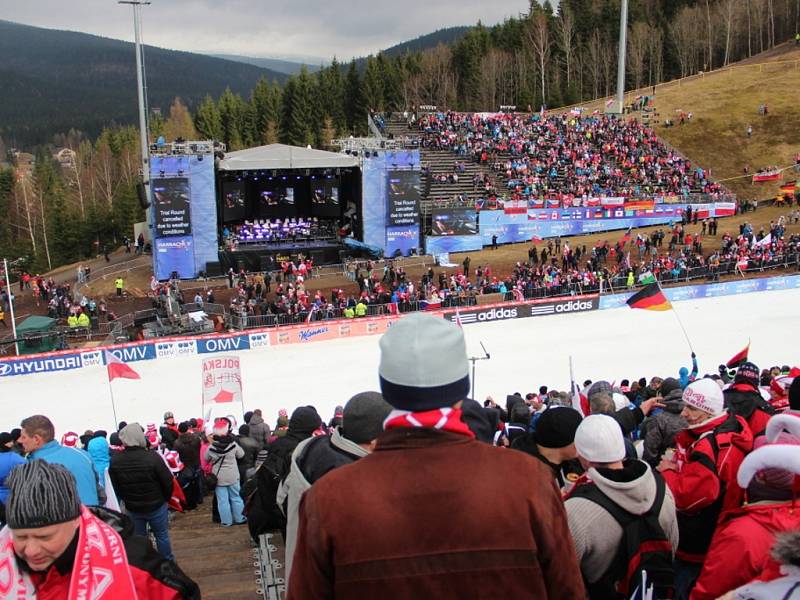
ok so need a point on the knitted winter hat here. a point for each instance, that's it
(363, 416)
(557, 426)
(747, 373)
(704, 394)
(305, 419)
(599, 439)
(173, 460)
(41, 494)
(423, 363)
(668, 385)
(599, 387)
(70, 439)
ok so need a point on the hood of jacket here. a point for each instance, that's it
(99, 452)
(633, 487)
(673, 402)
(730, 425)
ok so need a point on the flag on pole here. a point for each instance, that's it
(393, 308)
(626, 238)
(739, 358)
(311, 313)
(118, 369)
(650, 297)
(458, 319)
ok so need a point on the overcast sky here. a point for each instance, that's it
(310, 28)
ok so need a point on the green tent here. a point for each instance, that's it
(36, 334)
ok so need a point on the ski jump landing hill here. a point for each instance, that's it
(325, 363)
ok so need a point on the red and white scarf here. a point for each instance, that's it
(100, 569)
(444, 419)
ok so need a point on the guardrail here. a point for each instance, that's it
(269, 568)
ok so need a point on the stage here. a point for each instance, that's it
(277, 203)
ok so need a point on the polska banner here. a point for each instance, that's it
(222, 386)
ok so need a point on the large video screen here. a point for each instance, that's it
(403, 194)
(172, 200)
(276, 199)
(325, 200)
(233, 201)
(462, 221)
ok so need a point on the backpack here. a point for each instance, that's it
(644, 547)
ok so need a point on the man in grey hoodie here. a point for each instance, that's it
(630, 484)
(362, 422)
(659, 429)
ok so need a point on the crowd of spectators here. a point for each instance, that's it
(703, 464)
(568, 158)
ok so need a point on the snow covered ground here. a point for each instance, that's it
(525, 353)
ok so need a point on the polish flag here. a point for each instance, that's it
(118, 369)
(458, 319)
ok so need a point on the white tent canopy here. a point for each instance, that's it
(281, 156)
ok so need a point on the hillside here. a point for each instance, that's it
(52, 81)
(723, 103)
(448, 35)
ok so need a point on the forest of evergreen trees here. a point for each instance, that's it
(58, 214)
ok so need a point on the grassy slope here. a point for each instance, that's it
(723, 103)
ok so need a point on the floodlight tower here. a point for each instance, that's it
(140, 83)
(619, 104)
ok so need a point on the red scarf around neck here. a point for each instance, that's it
(444, 419)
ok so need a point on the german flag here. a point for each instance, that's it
(650, 297)
(789, 187)
(739, 359)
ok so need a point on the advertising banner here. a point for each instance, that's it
(523, 310)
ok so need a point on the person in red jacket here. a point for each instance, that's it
(743, 398)
(702, 475)
(55, 548)
(740, 548)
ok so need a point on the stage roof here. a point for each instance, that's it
(280, 156)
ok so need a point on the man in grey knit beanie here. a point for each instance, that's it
(42, 509)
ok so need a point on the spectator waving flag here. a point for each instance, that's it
(430, 304)
(626, 238)
(458, 319)
(650, 297)
(118, 369)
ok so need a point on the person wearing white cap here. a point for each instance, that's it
(627, 488)
(432, 512)
(702, 474)
(740, 549)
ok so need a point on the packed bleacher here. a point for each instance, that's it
(568, 159)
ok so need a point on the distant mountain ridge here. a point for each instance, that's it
(287, 67)
(52, 81)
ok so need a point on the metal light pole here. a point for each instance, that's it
(619, 104)
(11, 306)
(143, 138)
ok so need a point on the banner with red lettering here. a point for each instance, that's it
(222, 380)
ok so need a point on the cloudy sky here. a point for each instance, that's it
(310, 28)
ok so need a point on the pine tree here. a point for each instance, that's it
(6, 198)
(208, 121)
(261, 103)
(230, 117)
(373, 85)
(355, 106)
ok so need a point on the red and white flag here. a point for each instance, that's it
(458, 319)
(118, 369)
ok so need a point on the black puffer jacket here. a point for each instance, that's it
(141, 479)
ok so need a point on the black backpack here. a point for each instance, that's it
(644, 547)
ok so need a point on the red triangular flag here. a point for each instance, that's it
(118, 369)
(740, 358)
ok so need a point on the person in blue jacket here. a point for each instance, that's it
(684, 377)
(38, 441)
(8, 460)
(99, 453)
